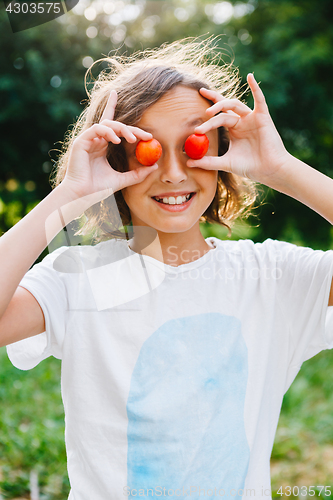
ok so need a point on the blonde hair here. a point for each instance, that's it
(140, 80)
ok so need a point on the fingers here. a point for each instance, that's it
(212, 95)
(111, 131)
(228, 111)
(120, 129)
(98, 130)
(131, 134)
(229, 105)
(110, 107)
(141, 134)
(222, 120)
(241, 109)
(258, 96)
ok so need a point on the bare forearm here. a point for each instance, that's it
(23, 243)
(307, 185)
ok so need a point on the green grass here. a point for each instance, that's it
(32, 430)
(303, 449)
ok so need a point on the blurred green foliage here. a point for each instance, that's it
(303, 449)
(32, 430)
(288, 46)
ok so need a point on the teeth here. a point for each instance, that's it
(171, 200)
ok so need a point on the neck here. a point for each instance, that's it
(171, 248)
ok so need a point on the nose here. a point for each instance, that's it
(173, 166)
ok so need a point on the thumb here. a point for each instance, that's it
(212, 163)
(136, 176)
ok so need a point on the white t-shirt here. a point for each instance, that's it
(173, 377)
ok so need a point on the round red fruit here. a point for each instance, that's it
(196, 146)
(148, 152)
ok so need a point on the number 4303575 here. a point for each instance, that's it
(32, 8)
(304, 491)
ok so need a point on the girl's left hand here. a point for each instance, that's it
(256, 150)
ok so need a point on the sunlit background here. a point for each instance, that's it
(288, 45)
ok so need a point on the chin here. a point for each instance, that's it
(174, 226)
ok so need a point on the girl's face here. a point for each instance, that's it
(171, 120)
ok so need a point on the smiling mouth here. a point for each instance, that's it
(174, 200)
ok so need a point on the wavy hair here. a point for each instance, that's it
(140, 80)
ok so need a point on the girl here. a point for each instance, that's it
(176, 351)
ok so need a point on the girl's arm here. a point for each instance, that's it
(89, 179)
(20, 313)
(256, 151)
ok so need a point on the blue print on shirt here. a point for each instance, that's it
(186, 409)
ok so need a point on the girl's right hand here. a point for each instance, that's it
(89, 171)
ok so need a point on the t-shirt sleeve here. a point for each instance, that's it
(303, 281)
(48, 286)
